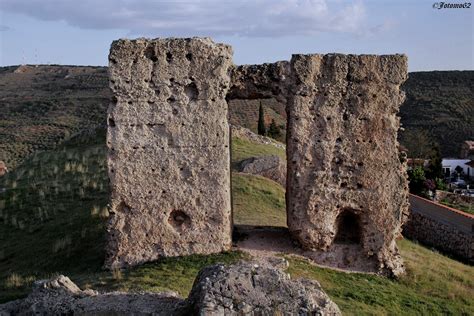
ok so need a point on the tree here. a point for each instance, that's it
(417, 180)
(261, 121)
(440, 184)
(435, 168)
(459, 171)
(274, 130)
(418, 143)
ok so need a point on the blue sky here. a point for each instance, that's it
(79, 32)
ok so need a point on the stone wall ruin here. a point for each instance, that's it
(346, 186)
(169, 150)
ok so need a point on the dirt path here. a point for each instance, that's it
(265, 244)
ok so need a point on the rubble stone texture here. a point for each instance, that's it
(169, 153)
(61, 296)
(247, 288)
(346, 184)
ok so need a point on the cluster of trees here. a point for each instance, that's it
(273, 129)
(424, 181)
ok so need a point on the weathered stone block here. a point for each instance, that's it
(169, 153)
(346, 184)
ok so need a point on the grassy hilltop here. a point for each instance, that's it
(52, 220)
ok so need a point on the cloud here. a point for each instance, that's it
(249, 18)
(4, 28)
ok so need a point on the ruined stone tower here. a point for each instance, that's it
(169, 155)
(346, 187)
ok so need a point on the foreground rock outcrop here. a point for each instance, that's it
(60, 296)
(241, 289)
(169, 152)
(346, 183)
(250, 289)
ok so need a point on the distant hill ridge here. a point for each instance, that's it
(42, 105)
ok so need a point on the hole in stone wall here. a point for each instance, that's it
(111, 122)
(179, 220)
(189, 56)
(123, 208)
(151, 54)
(191, 91)
(348, 228)
(169, 57)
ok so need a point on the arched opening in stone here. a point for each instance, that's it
(257, 93)
(348, 228)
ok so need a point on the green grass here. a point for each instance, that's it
(433, 285)
(468, 208)
(169, 274)
(243, 149)
(52, 215)
(257, 201)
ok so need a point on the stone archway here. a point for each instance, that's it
(348, 228)
(171, 102)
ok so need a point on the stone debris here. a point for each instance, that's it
(245, 133)
(271, 167)
(60, 296)
(245, 288)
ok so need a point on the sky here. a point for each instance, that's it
(79, 32)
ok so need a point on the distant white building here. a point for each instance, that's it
(449, 166)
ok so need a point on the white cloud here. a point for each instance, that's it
(271, 18)
(4, 28)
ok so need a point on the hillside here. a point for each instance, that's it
(52, 219)
(442, 104)
(43, 105)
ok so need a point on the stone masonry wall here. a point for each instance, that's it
(441, 236)
(442, 227)
(169, 153)
(342, 150)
